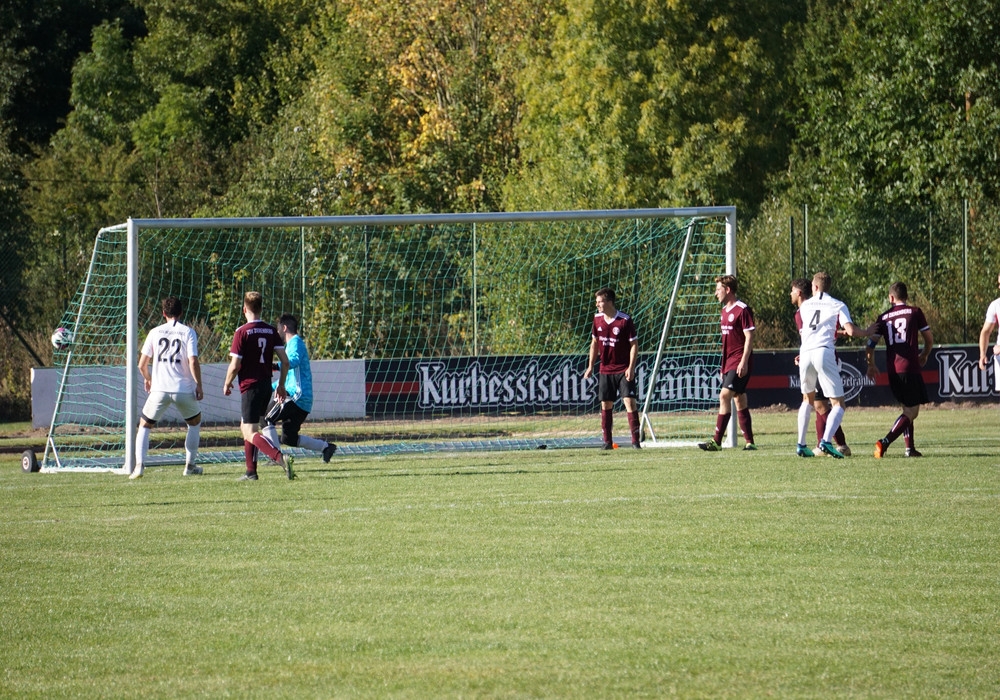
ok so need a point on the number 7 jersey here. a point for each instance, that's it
(171, 346)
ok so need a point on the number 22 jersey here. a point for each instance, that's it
(170, 346)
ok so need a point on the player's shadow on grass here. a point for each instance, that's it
(350, 473)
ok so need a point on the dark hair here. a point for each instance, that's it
(289, 322)
(727, 281)
(172, 307)
(607, 293)
(898, 290)
(803, 285)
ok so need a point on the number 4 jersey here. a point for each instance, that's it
(170, 346)
(821, 315)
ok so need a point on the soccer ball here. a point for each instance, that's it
(62, 338)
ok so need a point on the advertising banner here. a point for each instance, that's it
(554, 383)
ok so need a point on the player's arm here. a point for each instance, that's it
(928, 344)
(282, 373)
(744, 366)
(591, 358)
(984, 342)
(234, 369)
(633, 358)
(872, 371)
(294, 357)
(147, 377)
(195, 365)
(855, 331)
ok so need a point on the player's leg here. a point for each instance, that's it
(272, 415)
(743, 411)
(910, 391)
(632, 413)
(156, 405)
(141, 448)
(834, 418)
(629, 395)
(269, 444)
(726, 396)
(914, 392)
(291, 426)
(189, 409)
(607, 392)
(253, 405)
(805, 413)
(830, 380)
(899, 426)
(807, 383)
(911, 412)
(822, 407)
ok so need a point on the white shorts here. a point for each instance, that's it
(159, 401)
(820, 364)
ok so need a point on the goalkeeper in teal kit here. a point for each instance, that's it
(292, 412)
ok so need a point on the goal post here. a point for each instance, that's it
(426, 331)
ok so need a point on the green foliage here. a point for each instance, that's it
(635, 104)
(898, 123)
(879, 117)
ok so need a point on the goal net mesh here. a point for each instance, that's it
(431, 334)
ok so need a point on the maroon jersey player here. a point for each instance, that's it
(737, 363)
(902, 326)
(252, 352)
(615, 343)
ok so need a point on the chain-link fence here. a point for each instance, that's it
(948, 256)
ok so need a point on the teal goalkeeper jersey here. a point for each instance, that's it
(298, 382)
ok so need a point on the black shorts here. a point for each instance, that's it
(253, 403)
(737, 385)
(611, 386)
(909, 389)
(291, 417)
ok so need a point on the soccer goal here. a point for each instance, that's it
(426, 332)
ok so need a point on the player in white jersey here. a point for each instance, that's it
(989, 325)
(169, 365)
(821, 316)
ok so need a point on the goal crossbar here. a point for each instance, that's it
(578, 240)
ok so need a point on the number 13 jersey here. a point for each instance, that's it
(901, 327)
(170, 346)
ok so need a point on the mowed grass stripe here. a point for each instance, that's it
(544, 573)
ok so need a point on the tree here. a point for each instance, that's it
(418, 102)
(653, 104)
(899, 122)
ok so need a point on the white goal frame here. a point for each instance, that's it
(136, 225)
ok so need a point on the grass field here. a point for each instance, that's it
(555, 573)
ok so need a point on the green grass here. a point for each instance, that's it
(558, 573)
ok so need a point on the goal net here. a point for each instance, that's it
(426, 332)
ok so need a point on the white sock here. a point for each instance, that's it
(141, 446)
(833, 422)
(191, 441)
(271, 433)
(805, 413)
(311, 443)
